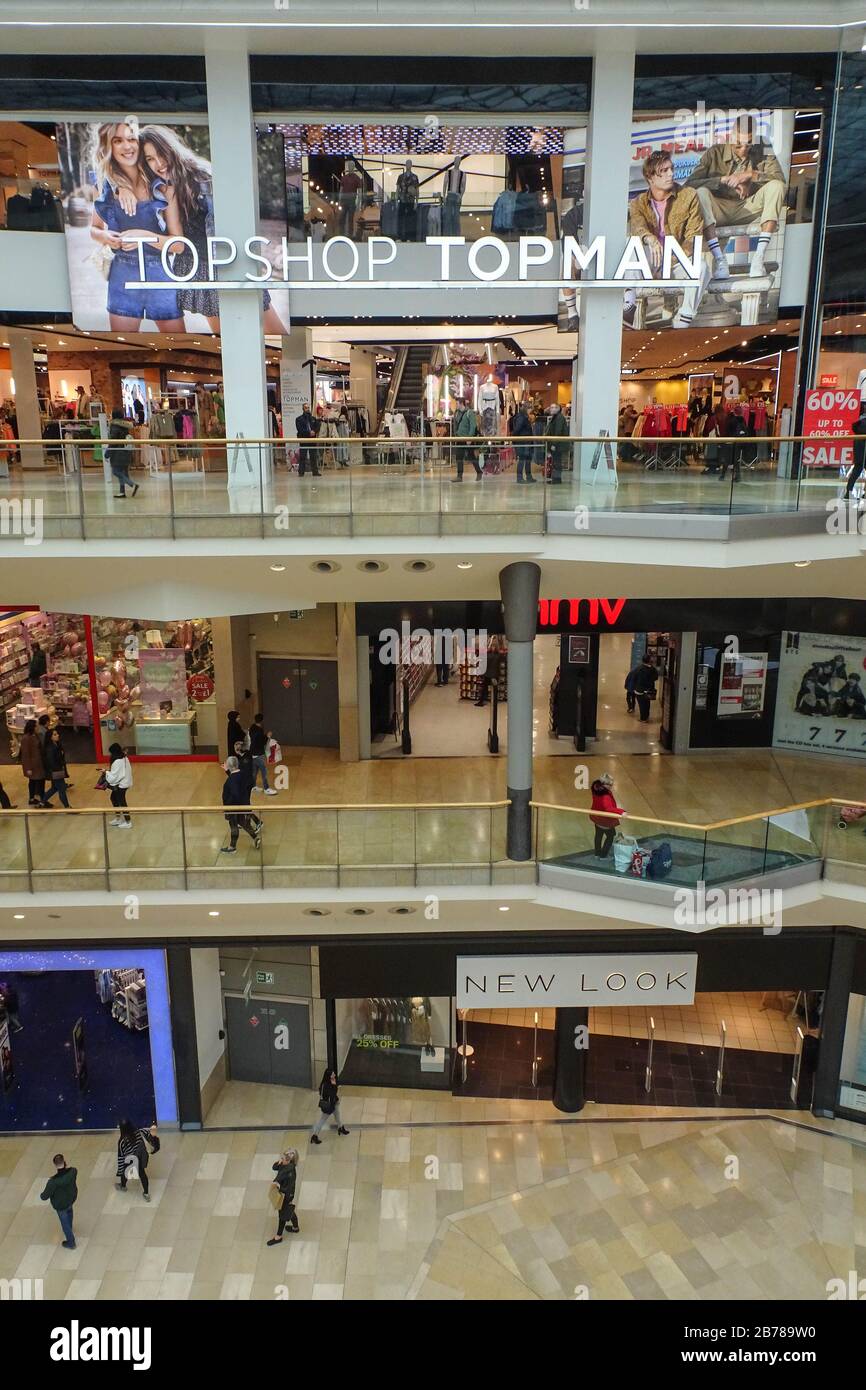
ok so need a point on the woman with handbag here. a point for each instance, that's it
(329, 1105)
(282, 1194)
(132, 1154)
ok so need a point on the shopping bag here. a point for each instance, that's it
(639, 861)
(661, 861)
(274, 751)
(275, 1197)
(623, 849)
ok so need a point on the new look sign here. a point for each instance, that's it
(509, 982)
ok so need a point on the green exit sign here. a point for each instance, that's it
(264, 977)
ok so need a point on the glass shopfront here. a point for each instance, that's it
(405, 1041)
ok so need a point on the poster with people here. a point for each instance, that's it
(125, 182)
(719, 175)
(821, 699)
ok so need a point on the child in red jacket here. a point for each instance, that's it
(605, 826)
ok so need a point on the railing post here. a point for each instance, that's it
(29, 849)
(171, 496)
(720, 1066)
(102, 816)
(183, 849)
(81, 501)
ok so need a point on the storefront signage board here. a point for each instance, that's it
(510, 982)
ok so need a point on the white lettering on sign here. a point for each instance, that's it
(575, 981)
(489, 261)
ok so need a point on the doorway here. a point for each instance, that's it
(300, 701)
(619, 729)
(502, 1046)
(268, 1040)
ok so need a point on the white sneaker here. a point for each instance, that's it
(116, 821)
(721, 270)
(124, 825)
(255, 789)
(270, 791)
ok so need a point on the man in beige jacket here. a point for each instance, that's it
(667, 209)
(739, 183)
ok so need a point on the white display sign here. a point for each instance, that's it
(510, 982)
(821, 699)
(742, 683)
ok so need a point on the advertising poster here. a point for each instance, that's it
(720, 175)
(821, 705)
(125, 181)
(163, 682)
(742, 683)
(829, 413)
(578, 651)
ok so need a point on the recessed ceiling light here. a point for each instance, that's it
(464, 564)
(278, 569)
(801, 564)
(19, 916)
(213, 914)
(505, 909)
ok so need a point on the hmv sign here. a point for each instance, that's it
(509, 982)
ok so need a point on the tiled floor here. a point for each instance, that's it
(418, 1203)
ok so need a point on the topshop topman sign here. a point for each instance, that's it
(489, 262)
(507, 982)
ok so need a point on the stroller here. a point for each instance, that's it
(849, 815)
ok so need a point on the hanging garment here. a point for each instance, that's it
(503, 211)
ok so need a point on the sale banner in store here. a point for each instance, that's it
(821, 703)
(829, 414)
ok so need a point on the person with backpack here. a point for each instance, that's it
(61, 1190)
(118, 779)
(286, 1169)
(329, 1106)
(605, 826)
(132, 1154)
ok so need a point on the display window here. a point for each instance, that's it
(85, 1036)
(405, 1041)
(44, 670)
(154, 686)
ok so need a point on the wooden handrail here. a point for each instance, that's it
(259, 809)
(713, 825)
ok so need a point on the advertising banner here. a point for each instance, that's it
(126, 182)
(820, 705)
(721, 176)
(742, 683)
(163, 681)
(829, 413)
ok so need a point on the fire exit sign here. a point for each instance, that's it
(264, 977)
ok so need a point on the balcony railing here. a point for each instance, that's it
(402, 845)
(417, 486)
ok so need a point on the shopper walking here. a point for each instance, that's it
(32, 765)
(234, 732)
(9, 1001)
(645, 688)
(521, 431)
(630, 701)
(258, 750)
(557, 426)
(38, 665)
(55, 766)
(235, 794)
(120, 454)
(605, 826)
(306, 429)
(132, 1155)
(329, 1106)
(464, 428)
(119, 779)
(61, 1190)
(286, 1169)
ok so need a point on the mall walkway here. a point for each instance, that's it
(455, 1199)
(696, 787)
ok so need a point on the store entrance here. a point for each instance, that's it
(509, 1054)
(620, 727)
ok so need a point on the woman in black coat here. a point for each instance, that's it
(132, 1147)
(234, 732)
(286, 1169)
(329, 1106)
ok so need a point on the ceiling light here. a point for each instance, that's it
(504, 909)
(464, 564)
(801, 564)
(19, 916)
(278, 569)
(213, 914)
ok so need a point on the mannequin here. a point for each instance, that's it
(420, 1022)
(488, 405)
(350, 182)
(407, 203)
(453, 189)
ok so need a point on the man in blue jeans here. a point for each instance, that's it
(62, 1192)
(258, 753)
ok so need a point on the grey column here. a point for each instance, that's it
(519, 584)
(834, 1016)
(569, 1076)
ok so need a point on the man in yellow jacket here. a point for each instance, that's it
(738, 183)
(667, 209)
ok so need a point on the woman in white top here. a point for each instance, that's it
(119, 779)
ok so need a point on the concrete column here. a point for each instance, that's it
(595, 386)
(519, 585)
(235, 191)
(362, 380)
(26, 397)
(347, 682)
(569, 1068)
(296, 376)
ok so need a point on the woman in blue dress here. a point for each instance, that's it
(185, 180)
(130, 209)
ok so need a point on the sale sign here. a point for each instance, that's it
(828, 417)
(200, 687)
